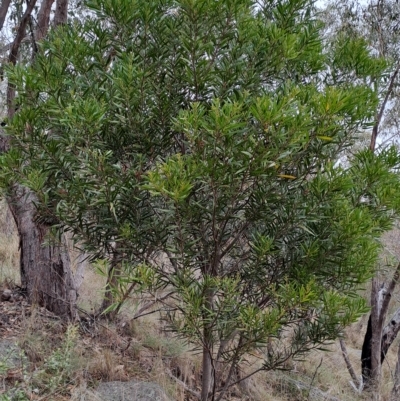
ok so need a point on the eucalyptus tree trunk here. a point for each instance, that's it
(43, 19)
(378, 338)
(5, 4)
(45, 266)
(61, 12)
(395, 395)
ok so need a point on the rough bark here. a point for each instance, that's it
(378, 340)
(61, 14)
(45, 268)
(377, 327)
(43, 19)
(395, 395)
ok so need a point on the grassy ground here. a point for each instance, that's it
(65, 359)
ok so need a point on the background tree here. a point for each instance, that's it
(45, 264)
(377, 23)
(196, 141)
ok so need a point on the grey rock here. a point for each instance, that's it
(6, 295)
(130, 391)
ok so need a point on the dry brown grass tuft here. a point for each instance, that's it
(106, 366)
(143, 350)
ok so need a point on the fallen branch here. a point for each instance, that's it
(183, 384)
(356, 382)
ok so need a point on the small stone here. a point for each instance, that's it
(6, 295)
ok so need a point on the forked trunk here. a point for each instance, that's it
(45, 267)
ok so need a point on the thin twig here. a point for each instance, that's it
(312, 380)
(348, 363)
(184, 385)
(382, 109)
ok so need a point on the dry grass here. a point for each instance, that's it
(143, 350)
(9, 253)
(91, 291)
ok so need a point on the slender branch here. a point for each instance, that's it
(34, 44)
(12, 58)
(124, 297)
(374, 135)
(241, 379)
(348, 363)
(234, 240)
(184, 385)
(231, 370)
(313, 378)
(7, 47)
(149, 305)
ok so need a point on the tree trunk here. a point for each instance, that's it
(390, 333)
(207, 363)
(377, 326)
(112, 281)
(366, 354)
(378, 340)
(61, 14)
(45, 267)
(371, 351)
(43, 19)
(5, 4)
(395, 395)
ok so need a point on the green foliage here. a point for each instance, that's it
(58, 367)
(53, 376)
(200, 141)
